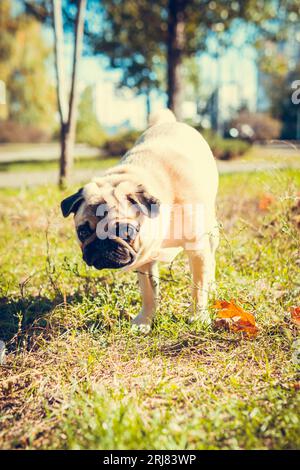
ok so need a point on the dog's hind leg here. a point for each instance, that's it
(214, 243)
(149, 284)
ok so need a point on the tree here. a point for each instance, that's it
(176, 40)
(67, 108)
(140, 36)
(58, 14)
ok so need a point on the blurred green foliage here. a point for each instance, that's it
(23, 68)
(88, 129)
(119, 144)
(225, 149)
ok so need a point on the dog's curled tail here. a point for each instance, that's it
(161, 117)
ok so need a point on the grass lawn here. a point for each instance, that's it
(77, 377)
(287, 154)
(35, 165)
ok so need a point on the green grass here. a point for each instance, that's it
(46, 165)
(288, 154)
(77, 377)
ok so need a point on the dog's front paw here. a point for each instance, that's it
(201, 315)
(141, 324)
(143, 328)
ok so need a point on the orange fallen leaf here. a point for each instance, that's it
(232, 317)
(265, 202)
(295, 315)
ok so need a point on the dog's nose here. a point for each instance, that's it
(125, 231)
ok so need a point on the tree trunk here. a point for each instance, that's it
(73, 105)
(66, 155)
(67, 111)
(175, 51)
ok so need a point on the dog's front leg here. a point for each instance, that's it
(201, 265)
(149, 284)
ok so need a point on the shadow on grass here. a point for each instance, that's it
(23, 318)
(198, 344)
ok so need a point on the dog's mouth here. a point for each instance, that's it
(113, 260)
(108, 254)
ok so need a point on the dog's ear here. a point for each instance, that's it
(149, 204)
(72, 203)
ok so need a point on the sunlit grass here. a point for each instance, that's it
(287, 154)
(85, 163)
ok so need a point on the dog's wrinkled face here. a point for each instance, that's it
(108, 220)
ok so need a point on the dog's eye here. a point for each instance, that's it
(84, 232)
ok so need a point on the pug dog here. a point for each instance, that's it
(158, 200)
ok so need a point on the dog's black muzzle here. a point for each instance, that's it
(107, 253)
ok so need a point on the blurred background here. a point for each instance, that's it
(78, 79)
